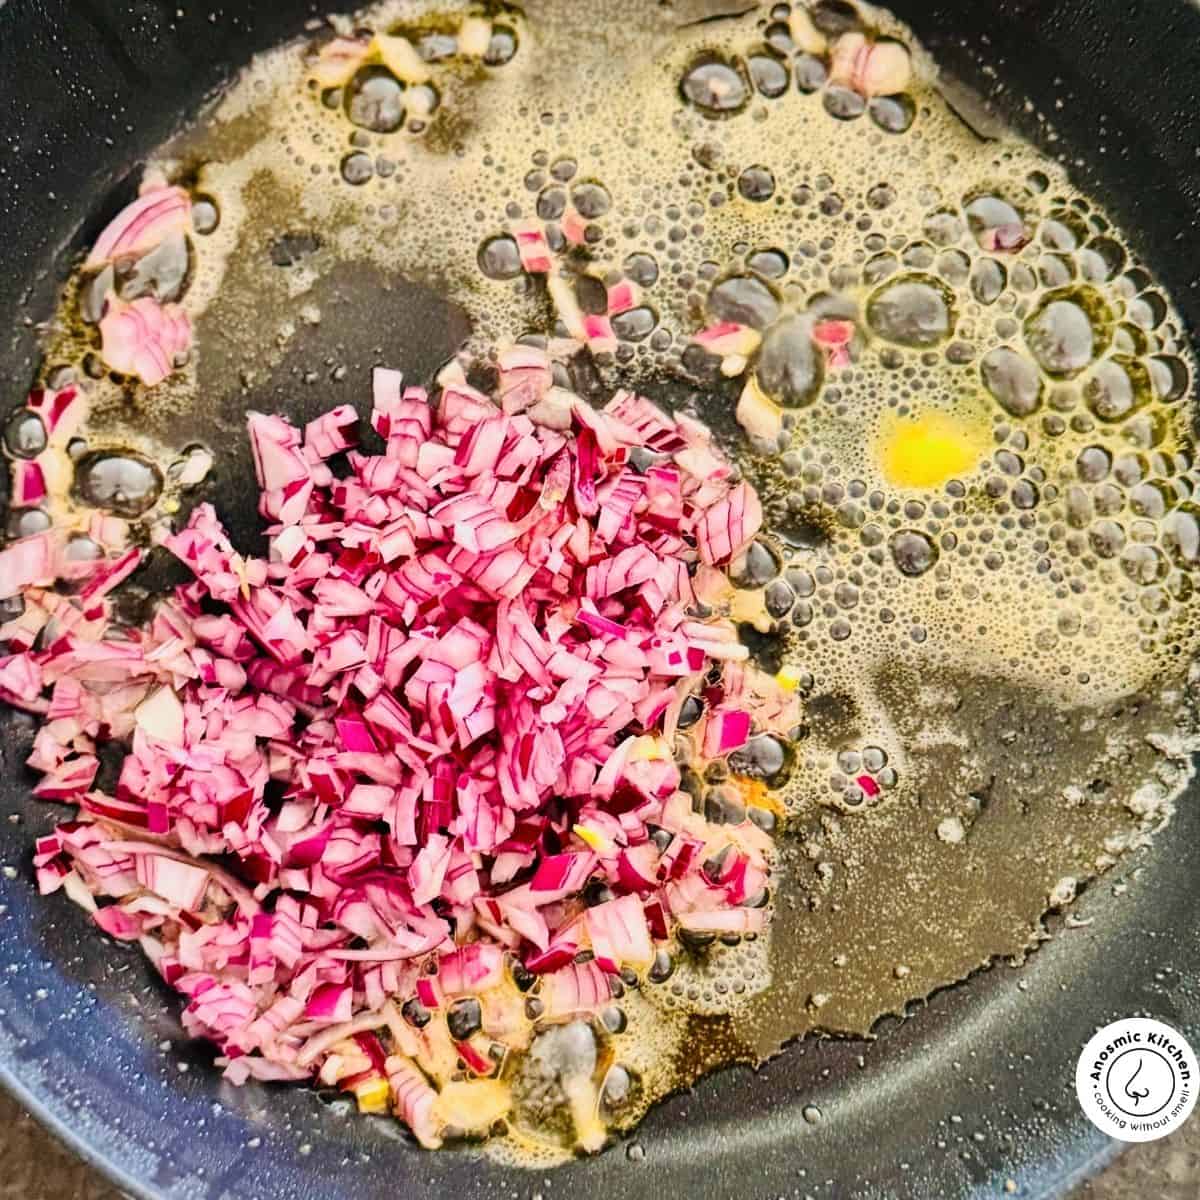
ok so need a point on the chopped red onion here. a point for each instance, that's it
(140, 226)
(1005, 239)
(460, 666)
(143, 338)
(338, 61)
(881, 68)
(835, 337)
(533, 247)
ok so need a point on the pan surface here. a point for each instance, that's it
(976, 1088)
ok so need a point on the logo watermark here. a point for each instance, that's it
(1137, 1080)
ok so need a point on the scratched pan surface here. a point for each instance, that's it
(975, 1088)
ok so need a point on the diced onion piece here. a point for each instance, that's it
(161, 716)
(532, 247)
(338, 60)
(870, 68)
(1005, 239)
(414, 1102)
(834, 337)
(143, 338)
(804, 33)
(757, 413)
(142, 225)
(400, 57)
(26, 562)
(728, 339)
(562, 293)
(474, 36)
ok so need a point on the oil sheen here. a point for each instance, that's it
(983, 533)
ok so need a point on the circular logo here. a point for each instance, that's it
(1137, 1079)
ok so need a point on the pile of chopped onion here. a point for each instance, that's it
(369, 778)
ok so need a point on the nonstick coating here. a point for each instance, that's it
(974, 1089)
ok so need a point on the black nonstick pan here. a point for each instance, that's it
(975, 1088)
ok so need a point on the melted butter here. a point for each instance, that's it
(987, 611)
(927, 450)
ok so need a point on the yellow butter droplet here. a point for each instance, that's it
(930, 449)
(594, 838)
(372, 1096)
(647, 748)
(787, 679)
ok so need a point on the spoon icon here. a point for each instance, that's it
(1137, 1095)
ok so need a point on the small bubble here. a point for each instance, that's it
(662, 968)
(1024, 495)
(758, 567)
(1168, 376)
(552, 203)
(914, 310)
(375, 100)
(919, 255)
(502, 48)
(893, 114)
(1013, 381)
(642, 269)
(1107, 538)
(717, 88)
(996, 223)
(943, 227)
(770, 264)
(635, 324)
(122, 482)
(756, 184)
(874, 758)
(881, 196)
(1101, 260)
(745, 300)
(24, 434)
(779, 38)
(1181, 536)
(770, 76)
(988, 280)
(954, 267)
(790, 370)
(1093, 464)
(912, 552)
(1115, 388)
(779, 598)
(1061, 333)
(206, 216)
(591, 199)
(843, 103)
(811, 73)
(1143, 564)
(357, 168)
(499, 258)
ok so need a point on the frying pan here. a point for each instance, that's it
(974, 1088)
